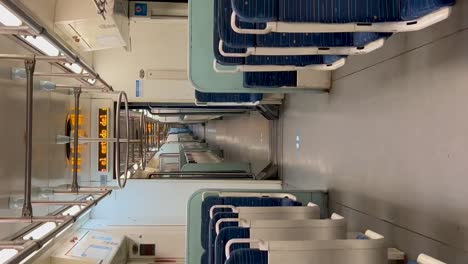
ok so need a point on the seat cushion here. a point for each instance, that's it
(335, 11)
(235, 40)
(224, 236)
(348, 39)
(300, 61)
(270, 79)
(228, 97)
(339, 11)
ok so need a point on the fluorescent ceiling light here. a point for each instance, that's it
(43, 45)
(72, 210)
(7, 254)
(74, 67)
(9, 19)
(41, 231)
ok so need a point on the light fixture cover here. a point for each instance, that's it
(41, 231)
(43, 45)
(9, 19)
(74, 67)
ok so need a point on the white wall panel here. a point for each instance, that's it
(156, 45)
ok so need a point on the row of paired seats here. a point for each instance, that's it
(220, 99)
(271, 41)
(249, 228)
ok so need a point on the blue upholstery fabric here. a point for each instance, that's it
(238, 202)
(204, 258)
(228, 97)
(224, 236)
(256, 11)
(220, 58)
(212, 231)
(303, 60)
(248, 256)
(356, 39)
(222, 14)
(235, 40)
(413, 9)
(270, 79)
(335, 11)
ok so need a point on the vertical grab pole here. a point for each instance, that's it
(158, 133)
(143, 140)
(30, 65)
(75, 187)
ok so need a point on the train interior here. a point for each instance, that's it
(233, 131)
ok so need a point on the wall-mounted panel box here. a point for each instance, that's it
(79, 23)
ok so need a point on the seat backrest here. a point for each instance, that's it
(227, 97)
(413, 9)
(212, 232)
(327, 251)
(210, 201)
(279, 213)
(278, 230)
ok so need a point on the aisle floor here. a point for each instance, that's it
(390, 140)
(244, 138)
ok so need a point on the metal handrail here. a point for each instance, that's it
(143, 139)
(36, 28)
(100, 6)
(75, 186)
(27, 247)
(205, 174)
(122, 96)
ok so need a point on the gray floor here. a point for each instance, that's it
(244, 138)
(390, 141)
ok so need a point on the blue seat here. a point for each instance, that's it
(224, 236)
(361, 15)
(212, 232)
(235, 40)
(300, 60)
(204, 258)
(248, 256)
(335, 11)
(238, 202)
(227, 97)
